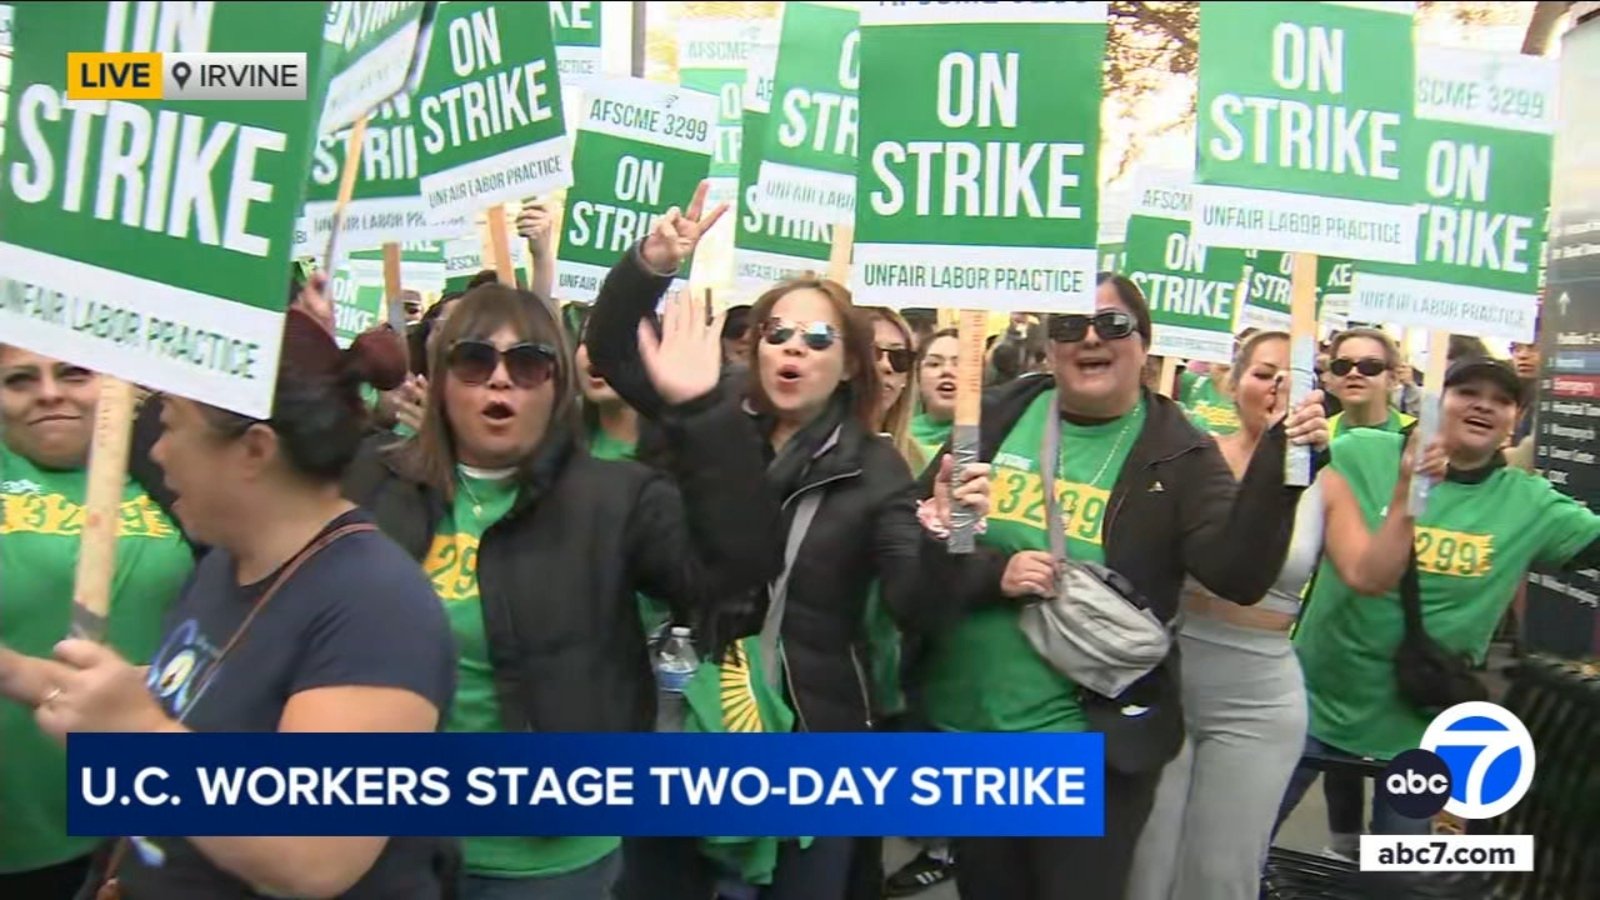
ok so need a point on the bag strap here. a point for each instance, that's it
(109, 889)
(778, 591)
(1049, 459)
(1411, 599)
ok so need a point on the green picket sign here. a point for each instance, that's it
(1192, 289)
(1302, 140)
(768, 247)
(378, 54)
(490, 108)
(713, 55)
(808, 170)
(386, 203)
(421, 264)
(1486, 121)
(1335, 280)
(151, 240)
(1267, 290)
(357, 292)
(642, 148)
(463, 259)
(576, 28)
(979, 172)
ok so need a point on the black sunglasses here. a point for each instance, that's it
(1109, 324)
(899, 358)
(1369, 366)
(817, 335)
(474, 362)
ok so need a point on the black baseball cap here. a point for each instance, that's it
(1472, 368)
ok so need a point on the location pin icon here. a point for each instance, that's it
(180, 73)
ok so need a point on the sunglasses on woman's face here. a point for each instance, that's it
(1369, 366)
(816, 335)
(899, 358)
(474, 362)
(1109, 324)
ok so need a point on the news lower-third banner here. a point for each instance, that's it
(960, 785)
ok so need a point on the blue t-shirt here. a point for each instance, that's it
(360, 612)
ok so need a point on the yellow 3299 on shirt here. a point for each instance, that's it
(1019, 497)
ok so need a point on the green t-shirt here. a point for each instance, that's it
(983, 675)
(1209, 408)
(41, 518)
(604, 446)
(929, 435)
(1474, 543)
(452, 566)
(1337, 424)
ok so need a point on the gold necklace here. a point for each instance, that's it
(1069, 512)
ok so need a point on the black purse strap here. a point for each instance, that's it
(1411, 599)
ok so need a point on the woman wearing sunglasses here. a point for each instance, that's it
(897, 382)
(1140, 491)
(1361, 367)
(813, 395)
(536, 548)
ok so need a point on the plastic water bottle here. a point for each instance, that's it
(675, 662)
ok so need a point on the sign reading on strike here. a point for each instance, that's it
(357, 291)
(1301, 134)
(490, 107)
(768, 247)
(978, 176)
(643, 147)
(146, 239)
(1486, 121)
(1192, 288)
(808, 165)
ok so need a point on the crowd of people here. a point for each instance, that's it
(489, 525)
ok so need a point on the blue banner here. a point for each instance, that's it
(946, 785)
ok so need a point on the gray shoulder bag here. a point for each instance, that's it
(1097, 630)
(778, 590)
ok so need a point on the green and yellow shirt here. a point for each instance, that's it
(1210, 409)
(1396, 421)
(41, 519)
(452, 566)
(983, 675)
(1474, 543)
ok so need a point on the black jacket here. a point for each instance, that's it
(558, 574)
(1175, 510)
(865, 530)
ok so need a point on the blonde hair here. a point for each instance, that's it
(897, 421)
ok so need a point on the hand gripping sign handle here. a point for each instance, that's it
(1428, 415)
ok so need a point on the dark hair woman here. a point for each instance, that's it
(47, 409)
(1141, 492)
(536, 549)
(811, 392)
(300, 618)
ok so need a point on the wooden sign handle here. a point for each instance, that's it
(500, 245)
(1169, 377)
(844, 244)
(1302, 358)
(347, 188)
(972, 327)
(102, 508)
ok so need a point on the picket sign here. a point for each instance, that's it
(972, 327)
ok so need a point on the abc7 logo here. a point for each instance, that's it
(1476, 762)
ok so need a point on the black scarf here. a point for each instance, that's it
(787, 469)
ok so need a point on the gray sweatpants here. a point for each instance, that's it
(1244, 704)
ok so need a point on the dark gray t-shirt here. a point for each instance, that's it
(358, 613)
